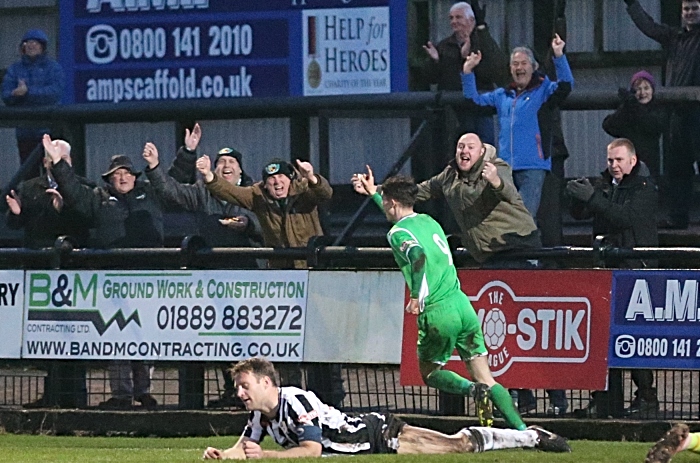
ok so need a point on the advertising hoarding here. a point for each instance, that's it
(11, 313)
(165, 315)
(655, 320)
(154, 50)
(543, 329)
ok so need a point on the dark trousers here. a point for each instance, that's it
(684, 152)
(549, 214)
(612, 402)
(64, 385)
(644, 380)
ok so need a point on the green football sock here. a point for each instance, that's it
(450, 382)
(504, 402)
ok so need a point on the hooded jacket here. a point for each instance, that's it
(286, 224)
(45, 82)
(625, 213)
(520, 139)
(490, 219)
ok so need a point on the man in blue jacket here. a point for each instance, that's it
(517, 105)
(34, 80)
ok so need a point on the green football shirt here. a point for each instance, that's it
(439, 275)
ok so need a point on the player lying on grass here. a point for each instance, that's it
(446, 319)
(306, 427)
(676, 440)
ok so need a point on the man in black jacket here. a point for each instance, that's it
(682, 47)
(623, 205)
(126, 213)
(443, 65)
(37, 207)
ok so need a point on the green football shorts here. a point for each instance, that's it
(451, 324)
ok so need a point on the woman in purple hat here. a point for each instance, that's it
(641, 119)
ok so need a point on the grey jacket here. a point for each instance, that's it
(196, 198)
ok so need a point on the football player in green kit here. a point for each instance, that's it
(446, 318)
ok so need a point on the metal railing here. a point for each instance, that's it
(193, 253)
(367, 387)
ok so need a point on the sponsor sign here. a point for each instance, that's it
(655, 320)
(165, 315)
(11, 305)
(348, 51)
(542, 329)
(151, 50)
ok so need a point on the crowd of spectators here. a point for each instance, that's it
(495, 187)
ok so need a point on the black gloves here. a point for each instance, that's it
(479, 13)
(630, 2)
(626, 95)
(580, 189)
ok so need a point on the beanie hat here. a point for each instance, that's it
(35, 34)
(229, 152)
(643, 75)
(277, 166)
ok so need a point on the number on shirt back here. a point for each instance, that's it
(443, 246)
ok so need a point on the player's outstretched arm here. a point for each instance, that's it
(306, 449)
(234, 453)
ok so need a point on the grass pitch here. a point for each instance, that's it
(32, 449)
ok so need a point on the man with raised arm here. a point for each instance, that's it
(285, 202)
(479, 190)
(124, 213)
(446, 319)
(517, 107)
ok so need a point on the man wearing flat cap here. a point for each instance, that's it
(125, 213)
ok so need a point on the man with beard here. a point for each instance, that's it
(479, 190)
(306, 427)
(478, 187)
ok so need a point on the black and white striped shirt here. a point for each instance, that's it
(301, 416)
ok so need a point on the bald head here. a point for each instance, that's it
(469, 150)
